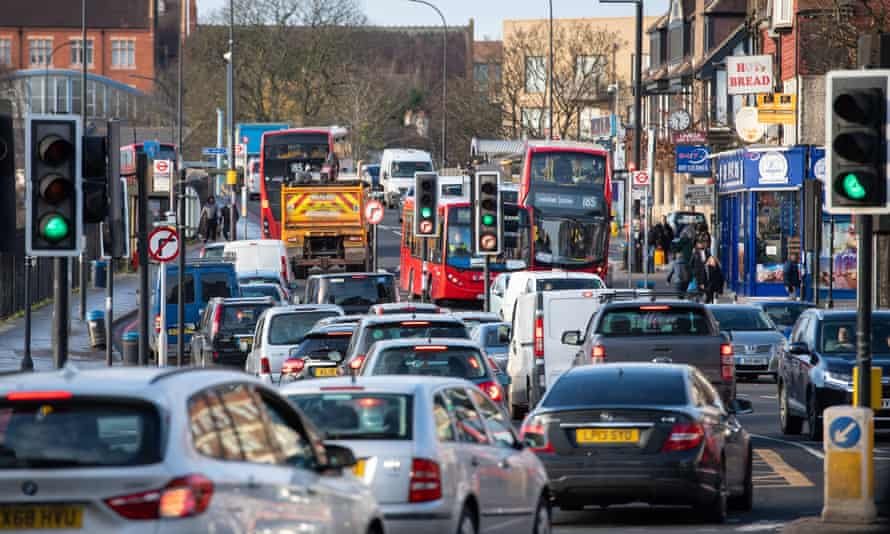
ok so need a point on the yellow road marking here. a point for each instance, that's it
(770, 470)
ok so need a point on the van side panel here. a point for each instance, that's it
(564, 311)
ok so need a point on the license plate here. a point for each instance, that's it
(41, 517)
(753, 361)
(359, 468)
(885, 403)
(245, 345)
(607, 435)
(325, 371)
(175, 331)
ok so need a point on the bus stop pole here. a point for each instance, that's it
(486, 284)
(374, 248)
(423, 269)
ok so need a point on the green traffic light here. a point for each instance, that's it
(426, 212)
(852, 187)
(487, 220)
(54, 228)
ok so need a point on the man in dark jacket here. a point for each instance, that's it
(679, 276)
(792, 276)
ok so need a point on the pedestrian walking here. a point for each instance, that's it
(679, 276)
(210, 218)
(791, 276)
(714, 279)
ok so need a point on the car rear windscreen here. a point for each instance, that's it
(785, 315)
(413, 329)
(358, 290)
(427, 360)
(617, 386)
(240, 319)
(63, 433)
(739, 318)
(289, 328)
(654, 320)
(355, 415)
(215, 285)
(558, 284)
(321, 347)
(260, 291)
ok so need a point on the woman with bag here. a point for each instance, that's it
(679, 275)
(715, 279)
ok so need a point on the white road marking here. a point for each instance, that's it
(760, 527)
(769, 397)
(817, 453)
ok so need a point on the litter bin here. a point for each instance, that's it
(130, 348)
(96, 327)
(100, 271)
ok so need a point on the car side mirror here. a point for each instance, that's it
(571, 337)
(798, 348)
(741, 407)
(504, 379)
(725, 333)
(498, 292)
(339, 457)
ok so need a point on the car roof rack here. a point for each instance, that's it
(613, 295)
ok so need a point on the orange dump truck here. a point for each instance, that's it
(323, 226)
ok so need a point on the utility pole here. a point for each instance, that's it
(83, 120)
(142, 248)
(550, 80)
(230, 104)
(180, 190)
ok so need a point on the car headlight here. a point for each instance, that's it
(837, 380)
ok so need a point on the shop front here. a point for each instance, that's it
(760, 216)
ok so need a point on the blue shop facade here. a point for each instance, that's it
(760, 223)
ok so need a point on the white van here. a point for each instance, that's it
(259, 256)
(525, 282)
(536, 342)
(397, 168)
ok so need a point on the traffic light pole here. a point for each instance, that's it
(142, 249)
(864, 307)
(486, 284)
(109, 312)
(423, 270)
(180, 281)
(27, 362)
(60, 313)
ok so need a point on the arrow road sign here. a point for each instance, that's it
(374, 212)
(845, 432)
(163, 244)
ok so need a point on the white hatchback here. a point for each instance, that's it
(133, 450)
(437, 453)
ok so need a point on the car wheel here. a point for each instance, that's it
(814, 424)
(542, 517)
(789, 423)
(715, 511)
(745, 501)
(467, 523)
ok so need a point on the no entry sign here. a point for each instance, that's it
(163, 244)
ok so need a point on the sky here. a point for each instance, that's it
(487, 14)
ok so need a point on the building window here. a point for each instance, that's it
(655, 48)
(589, 71)
(778, 232)
(41, 51)
(5, 52)
(480, 76)
(123, 53)
(534, 122)
(535, 74)
(77, 52)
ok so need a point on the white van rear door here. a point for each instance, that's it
(564, 311)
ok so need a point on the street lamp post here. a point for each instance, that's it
(550, 80)
(444, 74)
(230, 107)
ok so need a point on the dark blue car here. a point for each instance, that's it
(816, 368)
(784, 313)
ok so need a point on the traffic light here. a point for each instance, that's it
(426, 204)
(8, 202)
(54, 196)
(489, 225)
(95, 179)
(118, 224)
(856, 154)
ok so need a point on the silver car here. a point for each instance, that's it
(133, 450)
(494, 338)
(279, 330)
(438, 455)
(756, 343)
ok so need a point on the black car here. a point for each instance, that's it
(319, 353)
(816, 368)
(640, 432)
(374, 328)
(355, 293)
(225, 335)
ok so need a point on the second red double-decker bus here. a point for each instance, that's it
(455, 274)
(287, 154)
(567, 185)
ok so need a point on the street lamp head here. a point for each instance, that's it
(227, 57)
(612, 89)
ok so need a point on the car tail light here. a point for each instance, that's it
(539, 337)
(293, 366)
(186, 496)
(727, 365)
(430, 348)
(357, 362)
(38, 395)
(203, 252)
(265, 368)
(157, 324)
(684, 436)
(493, 390)
(214, 328)
(284, 268)
(426, 481)
(535, 436)
(215, 355)
(494, 365)
(598, 354)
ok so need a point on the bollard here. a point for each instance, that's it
(848, 434)
(130, 348)
(100, 274)
(96, 328)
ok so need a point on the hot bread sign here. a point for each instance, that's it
(746, 75)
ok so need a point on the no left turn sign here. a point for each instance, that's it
(163, 244)
(374, 212)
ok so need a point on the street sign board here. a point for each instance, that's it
(241, 156)
(163, 244)
(162, 172)
(699, 194)
(694, 160)
(849, 492)
(151, 148)
(214, 151)
(374, 212)
(641, 179)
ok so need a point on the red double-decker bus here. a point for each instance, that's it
(567, 185)
(287, 154)
(455, 273)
